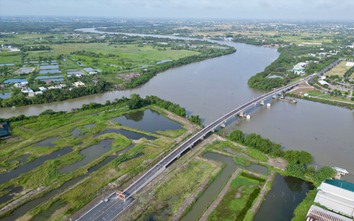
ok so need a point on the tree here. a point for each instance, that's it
(195, 119)
(237, 136)
(324, 173)
(135, 102)
(295, 169)
(298, 157)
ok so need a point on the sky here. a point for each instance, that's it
(229, 9)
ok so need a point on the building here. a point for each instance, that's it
(300, 68)
(26, 90)
(318, 214)
(42, 88)
(77, 74)
(4, 129)
(337, 196)
(323, 83)
(78, 84)
(24, 70)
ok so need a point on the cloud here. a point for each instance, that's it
(267, 9)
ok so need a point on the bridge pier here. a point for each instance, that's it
(262, 102)
(223, 124)
(241, 114)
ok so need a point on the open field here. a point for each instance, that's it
(302, 89)
(317, 94)
(178, 186)
(232, 149)
(239, 198)
(339, 70)
(10, 57)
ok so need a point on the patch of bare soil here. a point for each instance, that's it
(302, 89)
(128, 76)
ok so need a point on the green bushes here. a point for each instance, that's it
(257, 142)
(298, 161)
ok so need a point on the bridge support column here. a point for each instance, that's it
(262, 102)
(268, 105)
(241, 114)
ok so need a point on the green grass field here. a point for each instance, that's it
(237, 200)
(339, 70)
(10, 57)
(169, 196)
(317, 94)
(226, 146)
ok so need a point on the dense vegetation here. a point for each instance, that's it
(134, 102)
(298, 161)
(289, 56)
(349, 72)
(19, 99)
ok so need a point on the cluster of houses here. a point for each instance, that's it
(9, 48)
(324, 54)
(334, 201)
(299, 68)
(48, 73)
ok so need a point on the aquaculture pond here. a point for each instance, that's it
(285, 195)
(7, 176)
(147, 120)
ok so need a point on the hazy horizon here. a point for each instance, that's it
(185, 9)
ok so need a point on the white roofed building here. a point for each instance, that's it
(337, 196)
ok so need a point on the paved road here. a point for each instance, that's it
(107, 210)
(111, 209)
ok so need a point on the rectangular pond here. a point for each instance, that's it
(283, 198)
(147, 120)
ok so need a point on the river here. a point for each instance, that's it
(213, 87)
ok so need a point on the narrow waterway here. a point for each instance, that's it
(9, 175)
(213, 190)
(215, 187)
(20, 211)
(282, 199)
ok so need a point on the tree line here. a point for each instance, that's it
(48, 96)
(299, 161)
